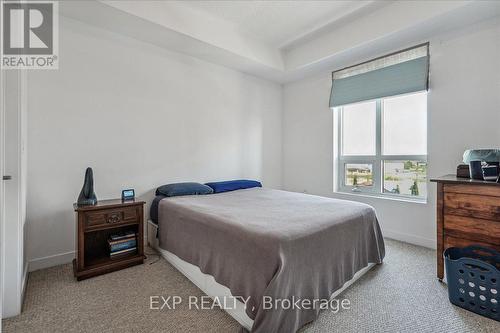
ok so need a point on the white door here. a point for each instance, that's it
(13, 199)
(2, 131)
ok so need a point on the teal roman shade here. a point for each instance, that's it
(399, 73)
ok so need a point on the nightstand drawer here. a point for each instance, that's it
(470, 205)
(111, 217)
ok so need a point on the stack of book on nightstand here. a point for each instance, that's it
(122, 243)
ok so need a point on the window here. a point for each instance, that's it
(381, 106)
(383, 146)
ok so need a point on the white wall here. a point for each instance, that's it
(141, 117)
(463, 112)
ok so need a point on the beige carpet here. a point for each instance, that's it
(402, 295)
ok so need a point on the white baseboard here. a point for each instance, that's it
(412, 239)
(49, 261)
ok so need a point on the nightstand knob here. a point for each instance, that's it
(113, 218)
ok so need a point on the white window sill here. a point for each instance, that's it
(382, 196)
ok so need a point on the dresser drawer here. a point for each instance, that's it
(450, 241)
(473, 189)
(94, 219)
(472, 229)
(470, 205)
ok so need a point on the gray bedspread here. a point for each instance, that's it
(261, 242)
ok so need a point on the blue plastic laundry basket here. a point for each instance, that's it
(473, 275)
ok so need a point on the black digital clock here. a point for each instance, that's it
(128, 194)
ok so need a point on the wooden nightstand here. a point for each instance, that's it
(94, 226)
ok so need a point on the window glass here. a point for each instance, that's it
(359, 123)
(404, 129)
(405, 178)
(383, 146)
(358, 174)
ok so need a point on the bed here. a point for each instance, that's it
(261, 243)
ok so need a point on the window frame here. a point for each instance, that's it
(377, 160)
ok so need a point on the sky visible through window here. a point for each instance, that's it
(405, 125)
(359, 129)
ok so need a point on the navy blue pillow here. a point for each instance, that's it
(173, 190)
(232, 185)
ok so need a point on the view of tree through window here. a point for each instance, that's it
(383, 146)
(359, 174)
(405, 177)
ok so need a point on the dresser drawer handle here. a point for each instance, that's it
(113, 218)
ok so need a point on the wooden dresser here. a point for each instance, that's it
(95, 224)
(468, 212)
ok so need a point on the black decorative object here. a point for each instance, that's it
(87, 195)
